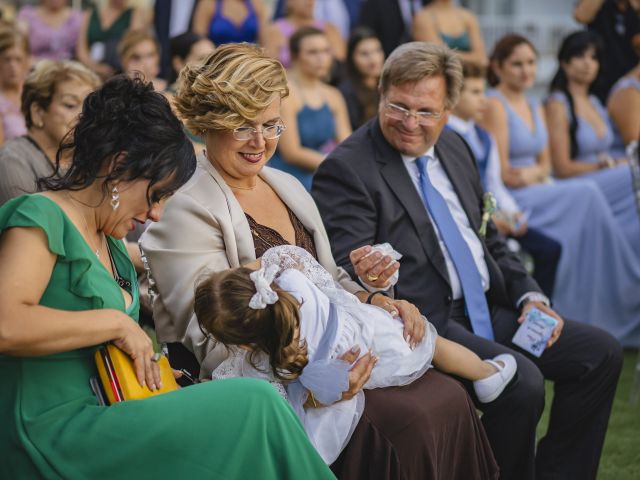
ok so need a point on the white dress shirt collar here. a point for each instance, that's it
(459, 125)
(409, 159)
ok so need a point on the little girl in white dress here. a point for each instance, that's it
(293, 322)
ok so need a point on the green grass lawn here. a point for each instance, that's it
(621, 455)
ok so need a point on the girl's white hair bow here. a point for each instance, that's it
(264, 295)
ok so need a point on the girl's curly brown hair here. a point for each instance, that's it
(222, 308)
(233, 85)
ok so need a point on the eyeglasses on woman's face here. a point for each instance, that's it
(423, 118)
(268, 132)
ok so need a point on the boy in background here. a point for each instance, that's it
(509, 219)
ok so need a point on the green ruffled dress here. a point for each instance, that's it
(51, 425)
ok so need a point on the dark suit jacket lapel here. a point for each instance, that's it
(395, 174)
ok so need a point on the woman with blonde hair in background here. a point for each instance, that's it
(14, 64)
(51, 102)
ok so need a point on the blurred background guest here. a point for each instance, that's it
(391, 20)
(53, 29)
(230, 21)
(170, 19)
(617, 22)
(51, 102)
(596, 255)
(580, 135)
(363, 67)
(624, 107)
(298, 14)
(514, 117)
(336, 13)
(14, 64)
(187, 48)
(139, 52)
(314, 113)
(509, 218)
(102, 29)
(343, 14)
(445, 23)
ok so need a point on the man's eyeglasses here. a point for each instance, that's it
(269, 132)
(422, 118)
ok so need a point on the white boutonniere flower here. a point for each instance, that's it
(488, 207)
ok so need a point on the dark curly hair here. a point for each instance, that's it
(126, 132)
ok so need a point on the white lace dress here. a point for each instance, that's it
(369, 327)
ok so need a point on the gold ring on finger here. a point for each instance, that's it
(372, 277)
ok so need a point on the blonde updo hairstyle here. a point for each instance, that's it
(233, 86)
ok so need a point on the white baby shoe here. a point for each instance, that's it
(490, 388)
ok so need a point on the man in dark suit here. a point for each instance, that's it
(401, 179)
(391, 20)
(170, 19)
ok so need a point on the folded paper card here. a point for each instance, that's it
(535, 331)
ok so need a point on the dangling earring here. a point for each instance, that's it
(115, 198)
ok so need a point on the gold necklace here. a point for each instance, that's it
(86, 226)
(243, 188)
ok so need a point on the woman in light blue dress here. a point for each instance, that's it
(624, 109)
(580, 133)
(316, 131)
(598, 274)
(315, 113)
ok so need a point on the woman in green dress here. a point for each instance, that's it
(67, 286)
(103, 26)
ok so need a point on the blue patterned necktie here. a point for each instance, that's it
(470, 279)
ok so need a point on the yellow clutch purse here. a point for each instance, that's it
(118, 376)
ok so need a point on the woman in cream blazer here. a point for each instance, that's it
(204, 229)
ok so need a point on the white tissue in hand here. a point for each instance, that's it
(387, 249)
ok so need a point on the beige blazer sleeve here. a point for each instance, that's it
(204, 229)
